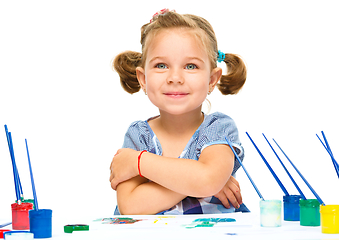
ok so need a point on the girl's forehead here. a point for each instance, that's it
(165, 38)
(180, 32)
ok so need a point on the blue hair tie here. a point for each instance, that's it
(221, 56)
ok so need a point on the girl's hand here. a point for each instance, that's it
(230, 193)
(124, 166)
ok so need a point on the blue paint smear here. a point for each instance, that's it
(215, 220)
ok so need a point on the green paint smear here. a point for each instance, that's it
(199, 224)
(207, 222)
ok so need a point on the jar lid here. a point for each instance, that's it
(329, 209)
(292, 198)
(18, 235)
(309, 203)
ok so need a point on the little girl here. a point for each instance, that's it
(178, 162)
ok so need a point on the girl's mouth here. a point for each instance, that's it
(176, 94)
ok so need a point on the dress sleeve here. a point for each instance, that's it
(137, 137)
(214, 130)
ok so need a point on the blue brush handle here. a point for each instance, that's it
(328, 149)
(268, 166)
(335, 163)
(32, 179)
(15, 172)
(20, 191)
(5, 224)
(288, 173)
(248, 175)
(309, 186)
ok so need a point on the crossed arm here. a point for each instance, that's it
(172, 179)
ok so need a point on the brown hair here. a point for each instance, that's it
(126, 63)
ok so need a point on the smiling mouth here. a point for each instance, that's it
(175, 94)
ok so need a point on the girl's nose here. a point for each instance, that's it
(175, 76)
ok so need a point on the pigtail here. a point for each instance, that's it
(125, 65)
(235, 78)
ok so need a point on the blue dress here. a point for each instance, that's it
(213, 130)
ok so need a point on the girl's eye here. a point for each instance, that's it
(191, 66)
(161, 66)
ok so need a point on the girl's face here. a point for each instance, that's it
(177, 75)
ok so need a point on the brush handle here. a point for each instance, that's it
(328, 149)
(248, 175)
(32, 179)
(15, 170)
(288, 173)
(268, 166)
(309, 186)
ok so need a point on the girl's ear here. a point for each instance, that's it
(141, 77)
(215, 77)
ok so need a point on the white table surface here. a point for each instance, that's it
(246, 226)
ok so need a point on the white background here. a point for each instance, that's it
(57, 90)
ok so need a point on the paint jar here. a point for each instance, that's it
(18, 235)
(29, 201)
(41, 223)
(291, 207)
(20, 219)
(270, 213)
(309, 212)
(329, 215)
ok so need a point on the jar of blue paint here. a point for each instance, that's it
(40, 222)
(291, 207)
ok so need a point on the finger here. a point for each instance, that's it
(231, 198)
(236, 190)
(119, 151)
(113, 184)
(233, 180)
(111, 166)
(111, 172)
(233, 194)
(223, 199)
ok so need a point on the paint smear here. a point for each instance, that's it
(163, 219)
(214, 220)
(207, 222)
(118, 220)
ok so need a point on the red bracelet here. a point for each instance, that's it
(139, 162)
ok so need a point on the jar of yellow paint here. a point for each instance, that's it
(329, 215)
